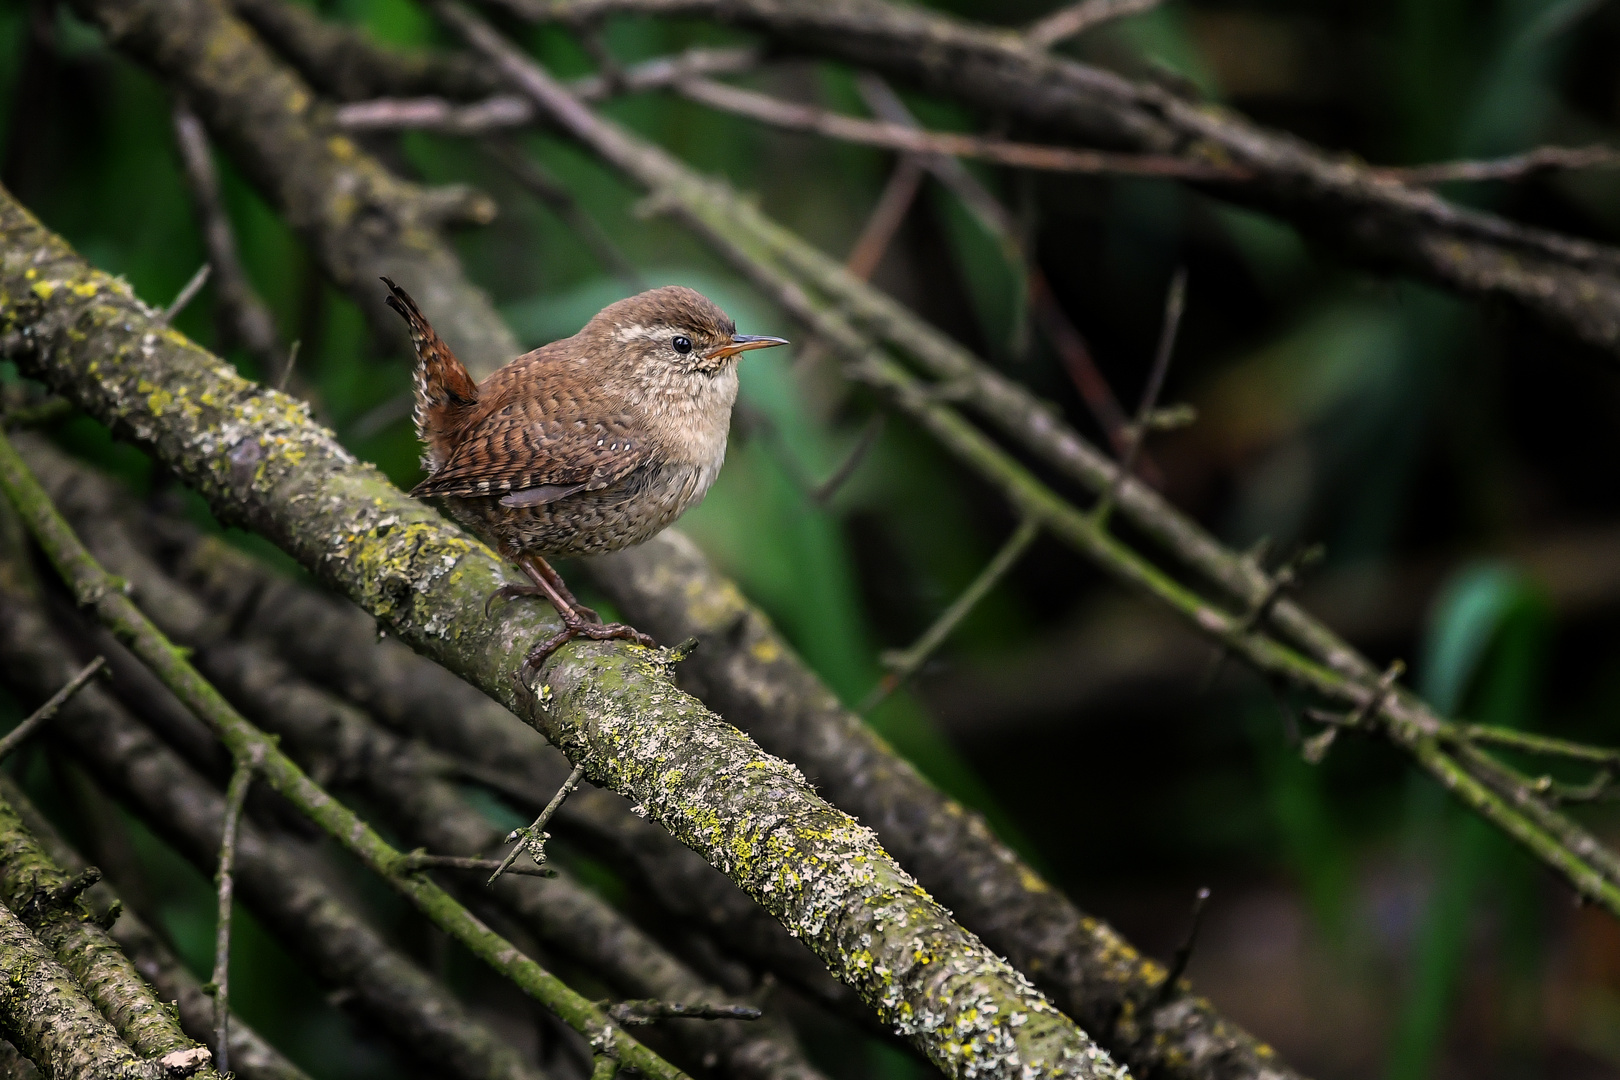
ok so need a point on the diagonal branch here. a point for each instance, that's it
(1569, 283)
(257, 459)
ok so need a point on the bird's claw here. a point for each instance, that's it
(578, 628)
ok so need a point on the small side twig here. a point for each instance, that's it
(187, 294)
(823, 492)
(1315, 749)
(421, 860)
(534, 179)
(1148, 417)
(813, 120)
(44, 900)
(1178, 963)
(1540, 745)
(533, 838)
(235, 800)
(650, 1011)
(903, 665)
(1076, 19)
(19, 734)
(1514, 167)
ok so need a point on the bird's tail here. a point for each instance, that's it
(445, 393)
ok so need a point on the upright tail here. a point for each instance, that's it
(445, 393)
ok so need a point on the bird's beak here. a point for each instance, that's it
(741, 343)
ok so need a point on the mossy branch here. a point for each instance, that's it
(258, 459)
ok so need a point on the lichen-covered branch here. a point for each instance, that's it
(251, 1057)
(258, 460)
(1572, 284)
(340, 947)
(38, 891)
(338, 743)
(45, 1014)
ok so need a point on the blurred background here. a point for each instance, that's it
(1456, 461)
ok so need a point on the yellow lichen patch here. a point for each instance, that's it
(1031, 881)
(44, 289)
(766, 651)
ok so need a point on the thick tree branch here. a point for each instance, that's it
(32, 885)
(45, 1014)
(275, 879)
(339, 744)
(258, 460)
(1572, 284)
(251, 1057)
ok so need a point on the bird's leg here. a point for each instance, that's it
(546, 578)
(575, 622)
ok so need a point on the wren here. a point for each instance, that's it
(584, 446)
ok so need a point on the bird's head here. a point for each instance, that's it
(673, 331)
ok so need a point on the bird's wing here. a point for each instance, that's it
(537, 452)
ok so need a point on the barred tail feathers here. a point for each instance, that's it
(445, 392)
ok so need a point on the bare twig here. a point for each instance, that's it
(421, 860)
(1077, 18)
(533, 838)
(235, 799)
(1543, 745)
(642, 1013)
(16, 736)
(903, 665)
(244, 316)
(188, 292)
(1147, 412)
(823, 492)
(886, 218)
(1178, 964)
(811, 119)
(1515, 167)
(503, 112)
(537, 181)
(1065, 337)
(287, 368)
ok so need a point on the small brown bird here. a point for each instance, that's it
(588, 445)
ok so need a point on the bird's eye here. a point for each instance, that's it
(682, 343)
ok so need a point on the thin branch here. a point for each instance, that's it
(235, 799)
(1178, 963)
(1175, 302)
(1065, 337)
(887, 215)
(818, 121)
(17, 735)
(504, 112)
(903, 665)
(188, 293)
(245, 317)
(421, 860)
(533, 839)
(642, 1013)
(1515, 167)
(537, 181)
(1077, 18)
(1544, 745)
(823, 492)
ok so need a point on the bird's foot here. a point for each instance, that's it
(579, 628)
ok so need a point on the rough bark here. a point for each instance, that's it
(343, 748)
(251, 1057)
(45, 1015)
(259, 461)
(34, 887)
(273, 878)
(359, 220)
(1572, 284)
